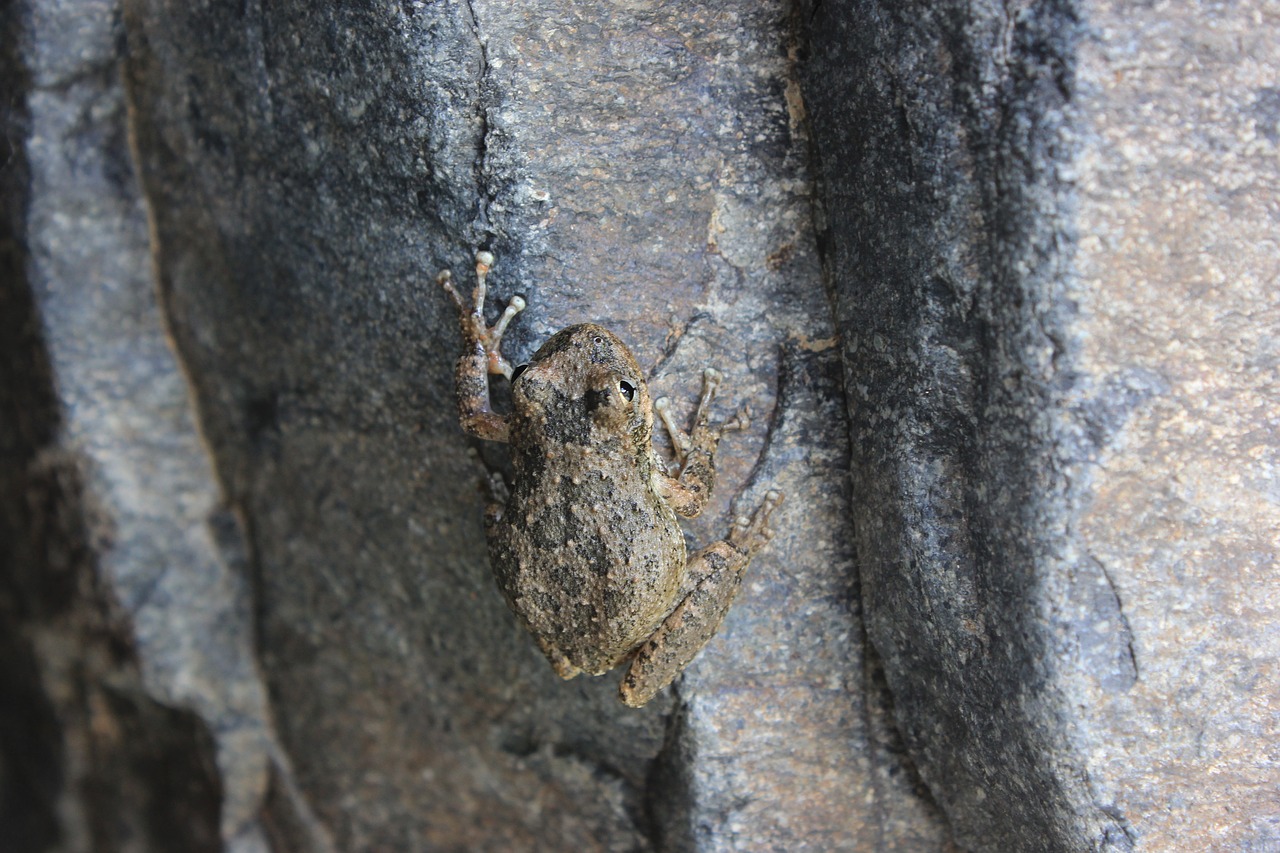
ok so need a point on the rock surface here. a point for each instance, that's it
(1178, 186)
(1050, 236)
(89, 758)
(127, 417)
(636, 167)
(1028, 620)
(938, 137)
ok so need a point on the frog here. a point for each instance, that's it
(587, 548)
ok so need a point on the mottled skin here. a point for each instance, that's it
(587, 549)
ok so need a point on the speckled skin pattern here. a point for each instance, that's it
(587, 549)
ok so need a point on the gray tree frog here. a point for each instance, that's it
(587, 549)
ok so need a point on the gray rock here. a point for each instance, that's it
(1177, 339)
(1027, 622)
(89, 760)
(635, 170)
(1053, 348)
(162, 541)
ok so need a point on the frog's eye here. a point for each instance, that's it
(515, 374)
(627, 390)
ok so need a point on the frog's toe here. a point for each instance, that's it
(740, 422)
(564, 667)
(445, 280)
(752, 534)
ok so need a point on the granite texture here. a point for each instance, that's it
(938, 136)
(1177, 276)
(309, 169)
(91, 758)
(1049, 226)
(997, 281)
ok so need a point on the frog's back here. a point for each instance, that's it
(590, 558)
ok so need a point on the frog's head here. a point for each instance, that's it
(583, 386)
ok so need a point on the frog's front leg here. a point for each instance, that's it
(689, 492)
(481, 355)
(715, 575)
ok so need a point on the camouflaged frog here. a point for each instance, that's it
(587, 549)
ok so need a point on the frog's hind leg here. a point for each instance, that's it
(688, 492)
(715, 575)
(559, 662)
